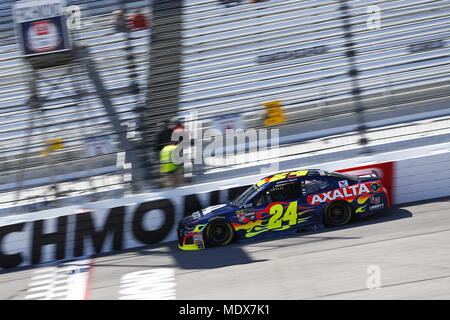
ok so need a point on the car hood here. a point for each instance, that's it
(216, 210)
(208, 213)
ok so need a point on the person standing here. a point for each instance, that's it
(164, 135)
(171, 173)
(120, 23)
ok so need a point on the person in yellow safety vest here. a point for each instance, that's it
(171, 173)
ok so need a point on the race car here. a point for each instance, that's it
(284, 203)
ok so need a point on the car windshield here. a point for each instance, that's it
(246, 196)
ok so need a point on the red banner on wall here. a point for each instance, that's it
(384, 170)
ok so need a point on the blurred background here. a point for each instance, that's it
(90, 90)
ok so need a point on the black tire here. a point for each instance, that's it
(219, 233)
(337, 214)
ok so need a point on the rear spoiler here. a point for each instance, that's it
(374, 173)
(367, 177)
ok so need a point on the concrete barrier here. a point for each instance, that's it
(146, 219)
(422, 177)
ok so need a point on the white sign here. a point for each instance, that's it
(43, 36)
(227, 123)
(98, 146)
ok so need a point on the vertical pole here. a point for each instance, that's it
(353, 73)
(163, 86)
(34, 106)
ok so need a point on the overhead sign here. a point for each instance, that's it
(41, 26)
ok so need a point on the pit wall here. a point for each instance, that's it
(112, 225)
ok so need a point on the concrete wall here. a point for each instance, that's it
(146, 219)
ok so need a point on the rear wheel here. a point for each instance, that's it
(337, 214)
(219, 233)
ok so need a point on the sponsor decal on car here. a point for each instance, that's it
(377, 206)
(240, 214)
(342, 193)
(343, 184)
(375, 199)
(375, 187)
(198, 239)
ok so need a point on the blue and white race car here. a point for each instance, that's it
(284, 203)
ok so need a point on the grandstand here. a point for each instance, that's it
(311, 55)
(225, 70)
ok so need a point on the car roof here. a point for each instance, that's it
(290, 175)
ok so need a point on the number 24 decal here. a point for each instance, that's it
(278, 215)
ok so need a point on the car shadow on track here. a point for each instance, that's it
(391, 214)
(212, 258)
(235, 253)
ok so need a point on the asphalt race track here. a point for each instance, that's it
(403, 253)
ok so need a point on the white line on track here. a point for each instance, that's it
(64, 281)
(150, 284)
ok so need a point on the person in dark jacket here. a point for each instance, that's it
(120, 22)
(164, 135)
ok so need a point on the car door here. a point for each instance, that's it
(310, 186)
(282, 205)
(274, 208)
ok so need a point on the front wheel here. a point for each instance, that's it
(219, 233)
(337, 214)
